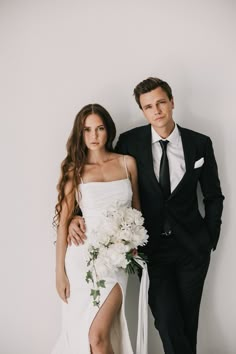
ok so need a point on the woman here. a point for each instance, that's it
(93, 177)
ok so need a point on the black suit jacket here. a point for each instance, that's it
(195, 233)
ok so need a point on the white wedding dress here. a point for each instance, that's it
(79, 313)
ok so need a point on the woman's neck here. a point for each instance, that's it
(98, 157)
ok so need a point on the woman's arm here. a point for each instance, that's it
(133, 173)
(62, 282)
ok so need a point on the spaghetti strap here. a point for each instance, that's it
(81, 179)
(126, 169)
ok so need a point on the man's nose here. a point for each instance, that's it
(157, 109)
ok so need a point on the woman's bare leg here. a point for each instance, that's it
(99, 333)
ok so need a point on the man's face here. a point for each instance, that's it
(157, 109)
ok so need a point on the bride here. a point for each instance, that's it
(93, 178)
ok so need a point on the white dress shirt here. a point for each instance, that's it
(175, 154)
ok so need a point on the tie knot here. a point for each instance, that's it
(163, 144)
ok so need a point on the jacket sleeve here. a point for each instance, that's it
(213, 197)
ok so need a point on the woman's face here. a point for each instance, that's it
(95, 133)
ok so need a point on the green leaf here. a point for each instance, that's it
(95, 253)
(95, 293)
(89, 276)
(143, 256)
(101, 284)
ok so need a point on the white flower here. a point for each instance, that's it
(116, 255)
(102, 271)
(110, 245)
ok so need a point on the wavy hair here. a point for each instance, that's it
(72, 165)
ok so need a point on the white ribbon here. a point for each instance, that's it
(142, 332)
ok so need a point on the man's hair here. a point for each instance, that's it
(151, 84)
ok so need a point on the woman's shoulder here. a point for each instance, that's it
(130, 159)
(127, 158)
(130, 162)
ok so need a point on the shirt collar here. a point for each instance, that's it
(173, 138)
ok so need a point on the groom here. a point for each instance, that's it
(171, 161)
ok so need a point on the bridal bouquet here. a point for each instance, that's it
(113, 246)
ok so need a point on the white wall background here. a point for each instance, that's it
(57, 56)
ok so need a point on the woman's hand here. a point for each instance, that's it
(76, 231)
(62, 285)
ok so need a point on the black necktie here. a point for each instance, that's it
(164, 174)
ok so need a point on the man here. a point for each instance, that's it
(171, 162)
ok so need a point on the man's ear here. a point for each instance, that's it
(173, 103)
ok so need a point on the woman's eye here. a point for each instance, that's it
(86, 129)
(101, 128)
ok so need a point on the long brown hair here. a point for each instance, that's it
(72, 165)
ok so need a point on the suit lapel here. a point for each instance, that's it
(145, 153)
(145, 148)
(189, 156)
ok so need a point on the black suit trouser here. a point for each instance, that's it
(176, 284)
